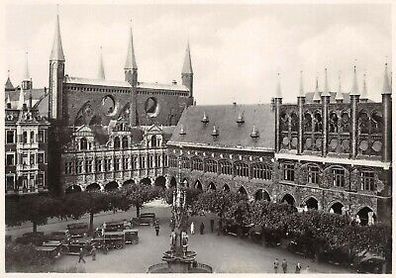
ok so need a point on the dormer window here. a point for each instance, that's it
(254, 134)
(182, 131)
(205, 119)
(83, 144)
(215, 131)
(240, 119)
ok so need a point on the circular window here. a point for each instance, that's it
(108, 105)
(151, 107)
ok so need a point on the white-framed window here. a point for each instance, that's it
(367, 181)
(288, 172)
(313, 174)
(116, 164)
(241, 169)
(338, 177)
(98, 165)
(32, 159)
(225, 167)
(79, 167)
(88, 166)
(125, 163)
(68, 167)
(261, 171)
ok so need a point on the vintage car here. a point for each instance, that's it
(49, 251)
(114, 240)
(77, 229)
(144, 219)
(62, 236)
(131, 236)
(74, 246)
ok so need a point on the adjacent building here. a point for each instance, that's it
(331, 151)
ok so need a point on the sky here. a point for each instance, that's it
(237, 50)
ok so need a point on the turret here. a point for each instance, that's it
(364, 96)
(277, 103)
(300, 103)
(316, 96)
(187, 71)
(325, 114)
(26, 81)
(8, 85)
(339, 96)
(130, 68)
(354, 96)
(387, 110)
(101, 72)
(56, 76)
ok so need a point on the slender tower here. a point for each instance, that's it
(56, 75)
(130, 68)
(187, 71)
(27, 81)
(354, 96)
(278, 103)
(101, 72)
(300, 102)
(325, 114)
(387, 110)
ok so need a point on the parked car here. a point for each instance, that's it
(145, 219)
(73, 247)
(77, 229)
(48, 251)
(114, 240)
(62, 236)
(131, 236)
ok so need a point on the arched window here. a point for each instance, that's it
(261, 171)
(307, 122)
(83, 144)
(294, 122)
(153, 141)
(225, 167)
(173, 161)
(333, 123)
(312, 203)
(31, 137)
(364, 123)
(284, 122)
(376, 123)
(124, 142)
(338, 176)
(241, 169)
(345, 126)
(318, 122)
(117, 143)
(185, 163)
(197, 164)
(211, 166)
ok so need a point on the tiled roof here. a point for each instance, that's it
(96, 82)
(8, 85)
(157, 86)
(230, 133)
(36, 94)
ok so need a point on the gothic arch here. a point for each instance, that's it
(128, 182)
(289, 199)
(226, 188)
(242, 190)
(146, 181)
(363, 214)
(336, 206)
(211, 186)
(198, 185)
(73, 189)
(311, 202)
(111, 186)
(262, 194)
(93, 187)
(160, 181)
(173, 182)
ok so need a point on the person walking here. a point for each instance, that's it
(284, 266)
(93, 253)
(298, 268)
(192, 229)
(212, 225)
(202, 228)
(276, 265)
(81, 256)
(157, 228)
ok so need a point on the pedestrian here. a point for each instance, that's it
(192, 229)
(157, 228)
(81, 256)
(276, 265)
(212, 225)
(298, 268)
(202, 228)
(93, 253)
(105, 249)
(284, 266)
(307, 269)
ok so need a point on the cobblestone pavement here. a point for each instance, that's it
(226, 254)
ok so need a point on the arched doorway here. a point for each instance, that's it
(73, 189)
(289, 199)
(364, 215)
(312, 203)
(261, 194)
(198, 185)
(93, 187)
(242, 190)
(337, 208)
(173, 182)
(226, 188)
(113, 185)
(145, 181)
(128, 183)
(160, 181)
(212, 186)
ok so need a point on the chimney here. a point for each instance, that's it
(174, 82)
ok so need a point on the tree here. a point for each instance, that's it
(217, 202)
(192, 195)
(139, 194)
(36, 209)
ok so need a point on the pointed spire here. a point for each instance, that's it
(364, 91)
(302, 93)
(316, 96)
(278, 88)
(130, 62)
(326, 92)
(101, 72)
(21, 99)
(339, 96)
(387, 88)
(57, 49)
(8, 85)
(355, 87)
(26, 75)
(187, 67)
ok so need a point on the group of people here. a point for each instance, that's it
(81, 255)
(283, 265)
(201, 227)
